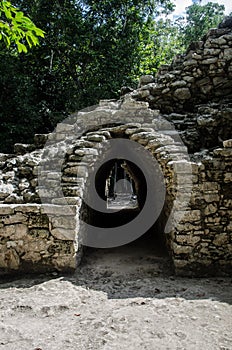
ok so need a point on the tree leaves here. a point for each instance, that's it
(17, 30)
(200, 18)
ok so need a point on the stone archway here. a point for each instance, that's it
(40, 218)
(89, 150)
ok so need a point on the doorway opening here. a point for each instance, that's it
(122, 185)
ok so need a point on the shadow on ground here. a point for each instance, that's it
(140, 269)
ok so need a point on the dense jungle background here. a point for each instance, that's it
(60, 56)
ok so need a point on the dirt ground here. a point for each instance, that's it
(118, 299)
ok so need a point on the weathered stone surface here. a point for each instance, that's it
(187, 102)
(63, 234)
(182, 94)
(146, 79)
(227, 143)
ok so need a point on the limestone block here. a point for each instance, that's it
(217, 81)
(197, 73)
(87, 151)
(178, 83)
(146, 79)
(13, 198)
(183, 166)
(6, 210)
(188, 239)
(164, 92)
(68, 222)
(65, 262)
(20, 148)
(6, 190)
(221, 239)
(211, 52)
(57, 210)
(96, 138)
(143, 93)
(72, 191)
(129, 103)
(227, 177)
(155, 143)
(190, 216)
(68, 201)
(27, 208)
(218, 41)
(38, 221)
(78, 181)
(25, 171)
(13, 219)
(213, 221)
(191, 62)
(11, 244)
(63, 234)
(224, 152)
(181, 249)
(227, 143)
(204, 81)
(17, 231)
(64, 128)
(228, 54)
(38, 232)
(10, 259)
(142, 137)
(34, 183)
(206, 89)
(209, 186)
(182, 94)
(188, 78)
(211, 209)
(131, 131)
(31, 197)
(37, 245)
(187, 227)
(78, 170)
(32, 256)
(20, 231)
(208, 61)
(227, 37)
(8, 175)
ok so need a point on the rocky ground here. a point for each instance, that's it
(125, 298)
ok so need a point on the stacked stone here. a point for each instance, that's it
(206, 128)
(18, 178)
(202, 239)
(32, 242)
(55, 169)
(204, 73)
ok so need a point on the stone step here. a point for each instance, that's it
(21, 148)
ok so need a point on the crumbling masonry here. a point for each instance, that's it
(182, 117)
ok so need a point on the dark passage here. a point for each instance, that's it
(147, 253)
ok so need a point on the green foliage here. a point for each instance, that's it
(91, 49)
(200, 18)
(163, 42)
(16, 28)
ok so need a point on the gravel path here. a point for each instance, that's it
(118, 299)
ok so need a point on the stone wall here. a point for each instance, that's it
(201, 75)
(182, 117)
(202, 241)
(33, 242)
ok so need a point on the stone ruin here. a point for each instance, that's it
(182, 117)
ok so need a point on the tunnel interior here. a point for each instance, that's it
(150, 243)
